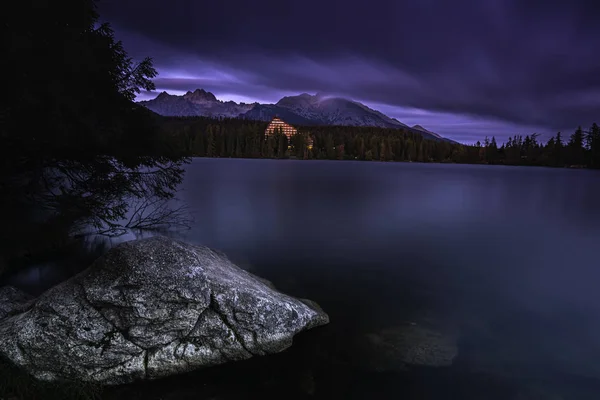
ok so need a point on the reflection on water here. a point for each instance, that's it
(504, 259)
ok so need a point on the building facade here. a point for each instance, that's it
(277, 124)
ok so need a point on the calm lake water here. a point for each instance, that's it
(506, 260)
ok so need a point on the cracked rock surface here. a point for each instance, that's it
(151, 308)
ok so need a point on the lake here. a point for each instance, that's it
(502, 261)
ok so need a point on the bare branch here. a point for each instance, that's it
(159, 214)
(151, 214)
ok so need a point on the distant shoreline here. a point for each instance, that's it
(396, 162)
(235, 138)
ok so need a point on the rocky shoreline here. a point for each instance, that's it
(160, 308)
(147, 309)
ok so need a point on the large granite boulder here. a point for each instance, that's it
(152, 308)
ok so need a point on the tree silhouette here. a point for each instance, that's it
(492, 151)
(75, 147)
(593, 145)
(575, 148)
(383, 144)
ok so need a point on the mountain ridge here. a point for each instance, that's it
(420, 128)
(302, 109)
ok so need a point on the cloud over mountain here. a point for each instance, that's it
(303, 109)
(511, 64)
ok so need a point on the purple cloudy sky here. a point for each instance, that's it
(464, 68)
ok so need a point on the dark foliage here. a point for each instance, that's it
(229, 137)
(75, 148)
(581, 151)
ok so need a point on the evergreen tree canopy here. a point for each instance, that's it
(379, 144)
(74, 146)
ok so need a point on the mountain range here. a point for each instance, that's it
(303, 109)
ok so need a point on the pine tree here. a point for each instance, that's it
(211, 150)
(593, 143)
(420, 156)
(383, 151)
(282, 145)
(299, 145)
(238, 145)
(492, 151)
(330, 147)
(575, 148)
(199, 149)
(69, 106)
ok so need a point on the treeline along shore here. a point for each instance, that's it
(240, 138)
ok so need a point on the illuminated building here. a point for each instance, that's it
(277, 124)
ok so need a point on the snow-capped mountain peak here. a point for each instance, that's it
(303, 109)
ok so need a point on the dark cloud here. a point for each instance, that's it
(527, 63)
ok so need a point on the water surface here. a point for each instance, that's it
(506, 258)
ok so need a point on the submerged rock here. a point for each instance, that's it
(410, 343)
(152, 308)
(12, 300)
